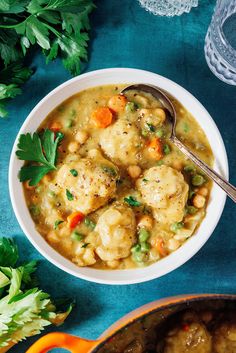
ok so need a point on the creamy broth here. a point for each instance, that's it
(139, 198)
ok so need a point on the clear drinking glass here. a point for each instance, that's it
(168, 7)
(220, 42)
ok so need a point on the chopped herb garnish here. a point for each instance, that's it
(151, 127)
(166, 149)
(109, 170)
(132, 201)
(85, 245)
(145, 180)
(74, 172)
(77, 236)
(160, 162)
(89, 223)
(69, 195)
(40, 149)
(57, 222)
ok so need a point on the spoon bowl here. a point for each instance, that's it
(157, 93)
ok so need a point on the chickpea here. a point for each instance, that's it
(160, 113)
(173, 244)
(81, 136)
(203, 191)
(145, 221)
(46, 178)
(134, 171)
(52, 237)
(199, 201)
(177, 165)
(113, 263)
(73, 147)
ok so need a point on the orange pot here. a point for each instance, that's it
(79, 345)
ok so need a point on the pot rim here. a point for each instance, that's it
(154, 307)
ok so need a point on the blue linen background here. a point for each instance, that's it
(124, 35)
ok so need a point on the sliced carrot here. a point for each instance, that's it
(155, 148)
(55, 126)
(185, 327)
(102, 117)
(74, 218)
(117, 103)
(160, 247)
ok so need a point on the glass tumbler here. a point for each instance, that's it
(220, 42)
(168, 7)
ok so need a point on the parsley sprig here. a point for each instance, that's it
(58, 27)
(42, 151)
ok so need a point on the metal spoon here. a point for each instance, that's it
(167, 104)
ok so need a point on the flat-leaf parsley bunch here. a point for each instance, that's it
(58, 27)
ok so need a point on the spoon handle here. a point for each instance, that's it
(224, 184)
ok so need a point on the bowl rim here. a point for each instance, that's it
(144, 274)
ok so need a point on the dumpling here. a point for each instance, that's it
(92, 184)
(224, 338)
(194, 339)
(116, 232)
(165, 190)
(121, 142)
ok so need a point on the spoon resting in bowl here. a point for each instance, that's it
(167, 104)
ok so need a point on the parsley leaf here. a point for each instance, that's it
(37, 149)
(8, 253)
(69, 195)
(57, 27)
(132, 201)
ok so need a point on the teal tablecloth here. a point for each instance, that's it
(124, 35)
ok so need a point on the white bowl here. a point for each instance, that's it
(214, 208)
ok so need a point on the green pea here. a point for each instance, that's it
(145, 247)
(166, 149)
(159, 132)
(138, 257)
(191, 209)
(35, 210)
(51, 193)
(130, 107)
(136, 248)
(89, 223)
(143, 235)
(38, 189)
(77, 236)
(69, 123)
(198, 180)
(189, 168)
(176, 226)
(144, 133)
(186, 127)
